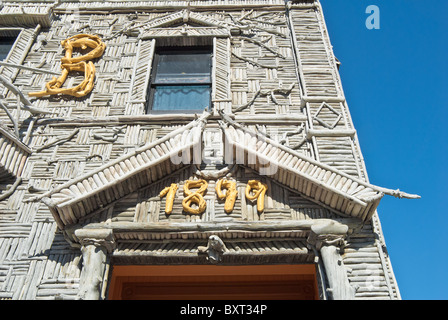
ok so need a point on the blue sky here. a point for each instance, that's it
(395, 82)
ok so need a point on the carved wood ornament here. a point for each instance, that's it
(197, 197)
(230, 195)
(69, 63)
(170, 193)
(259, 191)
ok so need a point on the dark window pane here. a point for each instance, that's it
(181, 79)
(5, 46)
(181, 97)
(183, 68)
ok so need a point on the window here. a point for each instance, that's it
(5, 46)
(180, 80)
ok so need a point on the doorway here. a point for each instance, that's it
(211, 282)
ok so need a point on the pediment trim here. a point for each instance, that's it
(99, 188)
(191, 24)
(184, 16)
(14, 153)
(122, 234)
(333, 189)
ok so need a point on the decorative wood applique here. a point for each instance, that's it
(195, 197)
(69, 63)
(214, 250)
(170, 193)
(259, 190)
(230, 195)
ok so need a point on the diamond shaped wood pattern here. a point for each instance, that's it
(325, 122)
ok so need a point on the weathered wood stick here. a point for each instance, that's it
(254, 62)
(52, 143)
(271, 118)
(26, 139)
(264, 46)
(264, 93)
(330, 133)
(245, 15)
(261, 131)
(215, 174)
(27, 105)
(270, 31)
(18, 112)
(219, 226)
(244, 106)
(306, 99)
(101, 137)
(114, 137)
(11, 189)
(274, 23)
(284, 91)
(10, 116)
(18, 66)
(116, 120)
(397, 193)
(292, 133)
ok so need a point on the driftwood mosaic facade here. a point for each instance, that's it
(81, 176)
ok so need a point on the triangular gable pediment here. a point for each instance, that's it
(185, 16)
(318, 182)
(141, 215)
(98, 189)
(184, 23)
(146, 206)
(321, 184)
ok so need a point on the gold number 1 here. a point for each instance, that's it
(170, 193)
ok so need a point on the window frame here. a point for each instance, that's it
(13, 40)
(12, 32)
(152, 84)
(25, 38)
